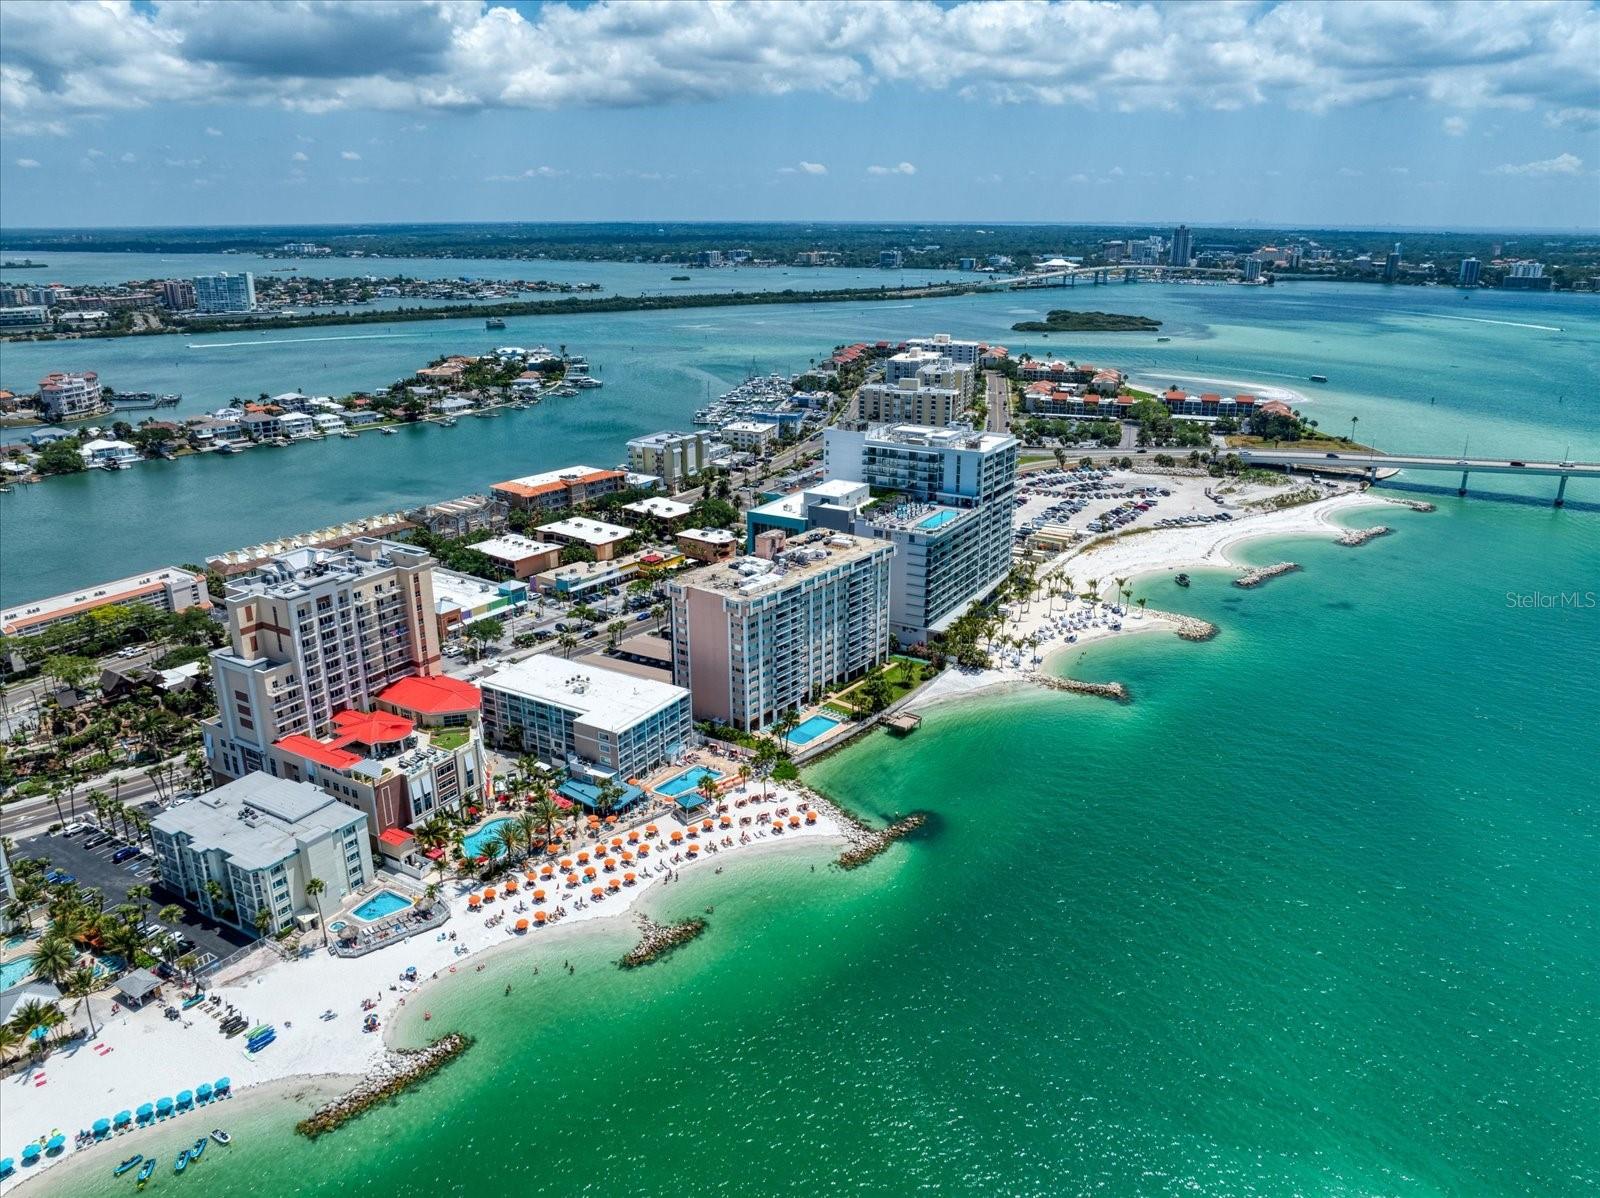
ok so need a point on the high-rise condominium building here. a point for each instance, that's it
(225, 293)
(756, 637)
(1182, 246)
(672, 456)
(313, 632)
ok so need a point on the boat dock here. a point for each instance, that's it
(903, 723)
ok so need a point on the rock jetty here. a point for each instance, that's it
(873, 841)
(1188, 627)
(656, 940)
(1260, 574)
(1103, 690)
(1416, 505)
(1360, 536)
(400, 1069)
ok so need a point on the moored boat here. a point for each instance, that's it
(182, 1163)
(197, 1148)
(133, 1160)
(1319, 378)
(144, 1173)
(221, 1136)
(1182, 580)
(494, 322)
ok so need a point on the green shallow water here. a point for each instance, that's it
(1315, 914)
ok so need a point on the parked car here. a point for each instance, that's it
(122, 854)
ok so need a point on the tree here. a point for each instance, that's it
(485, 632)
(54, 957)
(60, 457)
(547, 813)
(262, 922)
(171, 913)
(36, 1016)
(877, 691)
(786, 723)
(314, 889)
(568, 643)
(80, 984)
(214, 893)
(658, 613)
(610, 792)
(745, 774)
(10, 1040)
(707, 786)
(70, 670)
(528, 828)
(614, 631)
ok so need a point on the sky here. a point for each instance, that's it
(1357, 113)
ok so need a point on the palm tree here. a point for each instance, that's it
(707, 787)
(547, 813)
(610, 791)
(1141, 601)
(658, 613)
(1122, 587)
(1094, 592)
(80, 984)
(614, 631)
(54, 959)
(314, 889)
(785, 724)
(745, 774)
(36, 1016)
(10, 1041)
(568, 643)
(171, 913)
(214, 892)
(527, 826)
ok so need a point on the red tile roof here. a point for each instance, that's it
(314, 750)
(371, 727)
(435, 694)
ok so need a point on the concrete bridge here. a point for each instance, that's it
(1123, 273)
(1371, 463)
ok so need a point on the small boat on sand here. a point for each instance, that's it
(144, 1174)
(198, 1147)
(221, 1136)
(133, 1160)
(182, 1163)
(193, 1000)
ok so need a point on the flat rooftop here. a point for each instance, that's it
(513, 548)
(257, 819)
(602, 697)
(930, 437)
(808, 554)
(452, 590)
(659, 507)
(711, 536)
(590, 532)
(122, 590)
(662, 439)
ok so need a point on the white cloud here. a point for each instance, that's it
(813, 168)
(213, 132)
(1349, 172)
(904, 168)
(349, 155)
(27, 164)
(1399, 170)
(533, 172)
(65, 60)
(1454, 126)
(1561, 164)
(1585, 120)
(299, 156)
(128, 156)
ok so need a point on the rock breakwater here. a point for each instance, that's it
(1260, 574)
(400, 1069)
(656, 940)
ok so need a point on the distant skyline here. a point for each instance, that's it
(1356, 115)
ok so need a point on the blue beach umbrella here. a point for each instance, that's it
(186, 1098)
(55, 1143)
(101, 1126)
(123, 1117)
(222, 1085)
(146, 1111)
(203, 1091)
(7, 1166)
(31, 1154)
(163, 1106)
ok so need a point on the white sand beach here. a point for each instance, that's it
(139, 1056)
(1156, 551)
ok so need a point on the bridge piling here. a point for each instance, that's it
(1561, 492)
(1462, 490)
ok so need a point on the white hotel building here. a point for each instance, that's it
(754, 637)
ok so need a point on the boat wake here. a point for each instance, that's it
(294, 340)
(1510, 324)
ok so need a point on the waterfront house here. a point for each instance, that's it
(328, 423)
(296, 425)
(40, 437)
(102, 452)
(359, 417)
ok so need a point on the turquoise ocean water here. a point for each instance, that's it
(1314, 914)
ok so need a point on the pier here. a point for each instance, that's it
(1371, 463)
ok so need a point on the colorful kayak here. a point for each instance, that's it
(182, 1163)
(127, 1164)
(192, 1000)
(144, 1174)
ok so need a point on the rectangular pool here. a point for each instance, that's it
(15, 972)
(477, 845)
(817, 725)
(686, 781)
(385, 902)
(938, 519)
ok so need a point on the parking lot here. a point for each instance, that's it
(93, 867)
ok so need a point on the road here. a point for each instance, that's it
(28, 817)
(998, 397)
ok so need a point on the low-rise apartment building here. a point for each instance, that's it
(594, 722)
(167, 590)
(673, 457)
(243, 853)
(64, 395)
(555, 490)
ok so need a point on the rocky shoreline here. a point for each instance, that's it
(1102, 690)
(656, 940)
(1416, 505)
(1360, 536)
(400, 1069)
(1188, 627)
(1260, 574)
(874, 841)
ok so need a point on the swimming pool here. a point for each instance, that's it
(686, 781)
(477, 845)
(385, 902)
(817, 725)
(15, 971)
(938, 519)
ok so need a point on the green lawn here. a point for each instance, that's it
(448, 739)
(905, 674)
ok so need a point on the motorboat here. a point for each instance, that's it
(182, 1163)
(197, 1148)
(144, 1173)
(221, 1136)
(387, 432)
(134, 1160)
(1182, 580)
(1319, 378)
